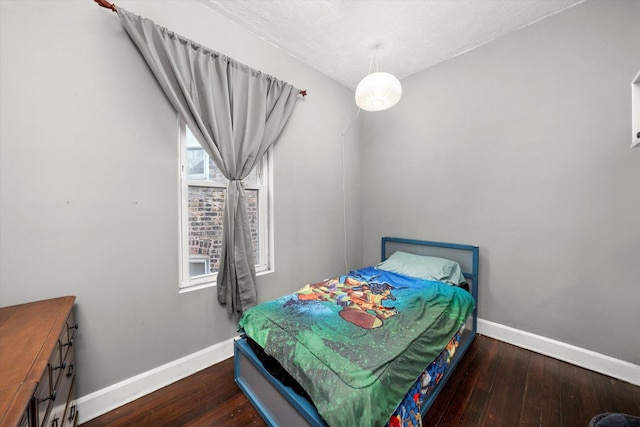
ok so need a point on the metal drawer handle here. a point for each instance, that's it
(52, 397)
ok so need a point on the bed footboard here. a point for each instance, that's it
(465, 342)
(278, 404)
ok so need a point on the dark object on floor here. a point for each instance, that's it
(614, 420)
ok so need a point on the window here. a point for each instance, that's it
(202, 195)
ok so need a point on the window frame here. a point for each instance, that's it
(264, 186)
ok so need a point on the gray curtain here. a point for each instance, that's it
(236, 113)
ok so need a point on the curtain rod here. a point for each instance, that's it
(107, 5)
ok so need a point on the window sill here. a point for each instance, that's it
(185, 289)
(213, 283)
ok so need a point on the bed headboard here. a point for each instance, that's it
(465, 255)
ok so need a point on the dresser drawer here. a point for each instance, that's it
(68, 334)
(63, 392)
(56, 364)
(43, 397)
(71, 414)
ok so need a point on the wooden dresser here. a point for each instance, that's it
(37, 364)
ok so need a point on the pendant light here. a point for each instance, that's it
(378, 91)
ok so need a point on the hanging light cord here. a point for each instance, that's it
(374, 56)
(344, 168)
(344, 192)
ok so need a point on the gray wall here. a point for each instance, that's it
(522, 147)
(89, 181)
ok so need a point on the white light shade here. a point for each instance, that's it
(378, 91)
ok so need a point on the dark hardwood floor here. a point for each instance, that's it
(496, 384)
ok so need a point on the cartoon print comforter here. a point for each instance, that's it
(357, 343)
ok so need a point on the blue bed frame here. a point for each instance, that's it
(279, 405)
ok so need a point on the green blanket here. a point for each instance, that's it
(358, 343)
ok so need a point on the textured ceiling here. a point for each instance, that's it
(339, 37)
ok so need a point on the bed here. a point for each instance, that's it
(298, 371)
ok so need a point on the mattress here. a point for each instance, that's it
(357, 343)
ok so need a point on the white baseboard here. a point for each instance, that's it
(578, 356)
(102, 401)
